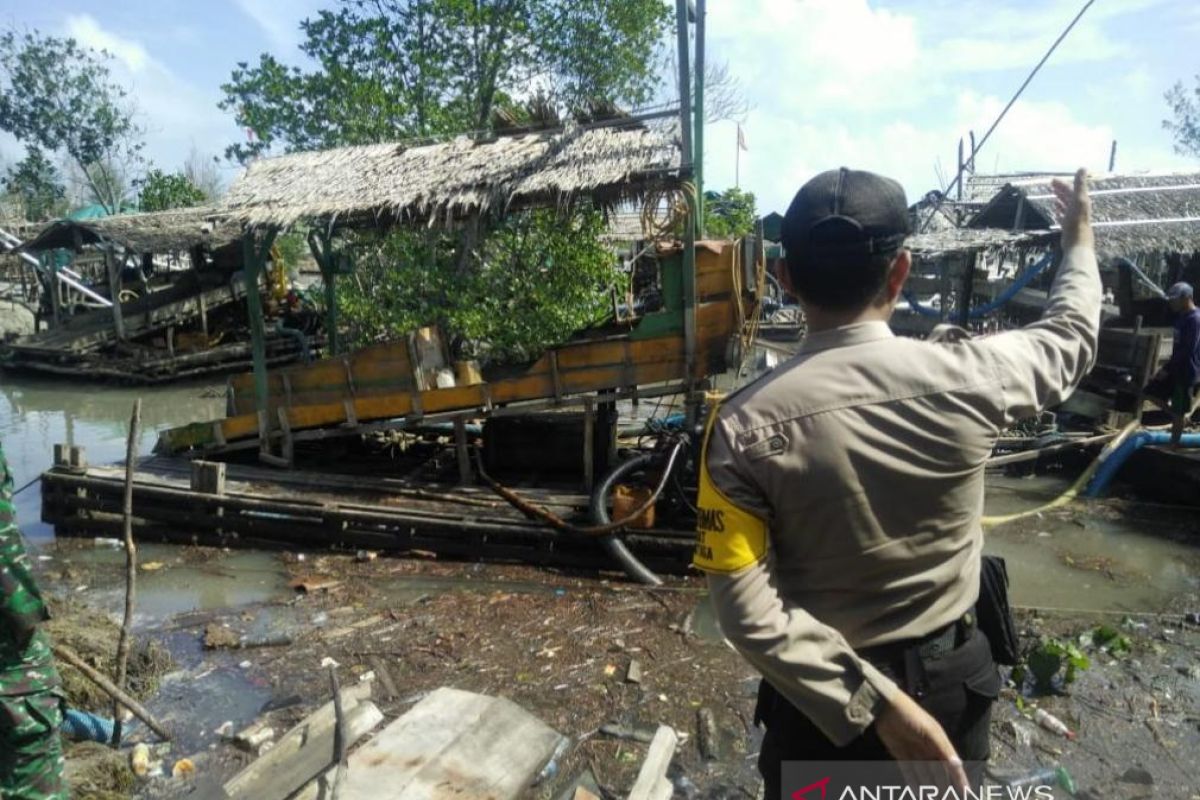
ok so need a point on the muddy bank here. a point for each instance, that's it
(562, 646)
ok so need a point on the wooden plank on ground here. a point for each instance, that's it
(452, 744)
(305, 751)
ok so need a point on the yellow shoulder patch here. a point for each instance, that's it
(728, 537)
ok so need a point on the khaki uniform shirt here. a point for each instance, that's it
(841, 494)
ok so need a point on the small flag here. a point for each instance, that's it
(742, 139)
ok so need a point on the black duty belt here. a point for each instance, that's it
(930, 647)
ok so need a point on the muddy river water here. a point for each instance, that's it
(1085, 559)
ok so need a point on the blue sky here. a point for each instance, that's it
(889, 86)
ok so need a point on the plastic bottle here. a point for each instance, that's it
(1048, 776)
(1052, 723)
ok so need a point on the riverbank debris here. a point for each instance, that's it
(652, 782)
(453, 743)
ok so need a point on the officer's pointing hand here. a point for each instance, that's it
(1073, 208)
(912, 736)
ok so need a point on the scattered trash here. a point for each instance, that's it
(1137, 775)
(184, 768)
(139, 760)
(1052, 723)
(314, 583)
(102, 541)
(327, 662)
(652, 780)
(550, 771)
(152, 566)
(1021, 733)
(706, 734)
(633, 674)
(610, 670)
(225, 730)
(254, 737)
(218, 636)
(1046, 776)
(367, 676)
(246, 664)
(627, 732)
(85, 726)
(366, 555)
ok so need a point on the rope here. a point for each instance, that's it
(665, 212)
(555, 521)
(1075, 489)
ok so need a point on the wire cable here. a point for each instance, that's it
(958, 178)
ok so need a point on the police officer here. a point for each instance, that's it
(841, 494)
(31, 762)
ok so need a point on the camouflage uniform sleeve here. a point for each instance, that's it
(21, 604)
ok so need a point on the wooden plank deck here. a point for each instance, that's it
(265, 507)
(453, 744)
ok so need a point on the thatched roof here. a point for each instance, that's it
(1131, 213)
(171, 231)
(455, 179)
(963, 240)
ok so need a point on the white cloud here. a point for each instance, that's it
(787, 152)
(87, 31)
(818, 53)
(280, 20)
(176, 114)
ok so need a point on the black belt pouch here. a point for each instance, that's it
(994, 614)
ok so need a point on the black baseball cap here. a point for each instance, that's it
(848, 214)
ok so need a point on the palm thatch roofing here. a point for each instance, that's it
(1131, 213)
(456, 179)
(174, 231)
(932, 244)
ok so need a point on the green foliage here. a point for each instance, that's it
(35, 180)
(161, 191)
(388, 70)
(530, 282)
(59, 97)
(292, 247)
(1050, 657)
(1110, 640)
(1185, 124)
(729, 214)
(396, 69)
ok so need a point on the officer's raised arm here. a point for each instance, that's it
(1041, 364)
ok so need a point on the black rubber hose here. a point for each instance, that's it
(599, 509)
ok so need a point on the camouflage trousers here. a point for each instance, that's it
(31, 760)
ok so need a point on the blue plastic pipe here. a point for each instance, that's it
(1098, 485)
(85, 726)
(1008, 294)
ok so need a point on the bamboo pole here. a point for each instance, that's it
(91, 673)
(135, 422)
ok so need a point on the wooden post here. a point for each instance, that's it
(589, 442)
(465, 477)
(329, 275)
(208, 477)
(966, 289)
(135, 424)
(203, 315)
(253, 257)
(55, 298)
(114, 290)
(320, 243)
(171, 341)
